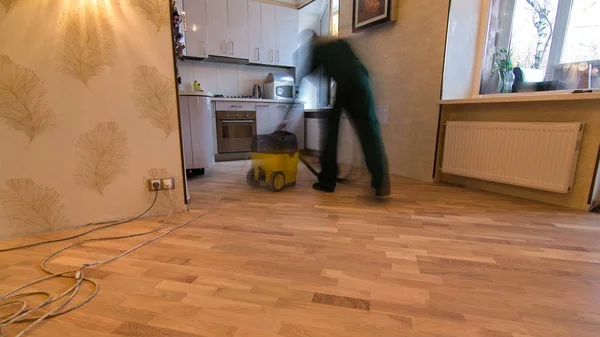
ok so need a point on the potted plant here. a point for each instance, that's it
(504, 67)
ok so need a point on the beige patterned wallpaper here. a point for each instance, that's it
(88, 112)
(405, 61)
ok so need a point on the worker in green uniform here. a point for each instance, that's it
(339, 62)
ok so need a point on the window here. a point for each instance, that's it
(334, 31)
(335, 17)
(542, 45)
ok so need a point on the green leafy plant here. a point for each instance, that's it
(503, 65)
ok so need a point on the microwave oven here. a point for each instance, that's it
(280, 87)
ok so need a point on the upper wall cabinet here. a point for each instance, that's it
(227, 28)
(273, 34)
(245, 29)
(286, 43)
(195, 28)
(254, 36)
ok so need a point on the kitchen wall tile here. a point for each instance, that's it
(247, 77)
(227, 79)
(186, 71)
(206, 74)
(263, 72)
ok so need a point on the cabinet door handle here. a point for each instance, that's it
(262, 105)
(236, 106)
(184, 21)
(258, 54)
(203, 47)
(278, 56)
(231, 47)
(271, 55)
(223, 46)
(284, 106)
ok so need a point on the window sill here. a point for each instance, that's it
(524, 97)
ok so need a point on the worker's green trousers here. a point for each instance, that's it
(357, 100)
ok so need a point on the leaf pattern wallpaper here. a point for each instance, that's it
(70, 155)
(88, 43)
(102, 155)
(156, 11)
(154, 97)
(8, 6)
(23, 102)
(31, 207)
(163, 202)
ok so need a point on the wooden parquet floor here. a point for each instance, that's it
(433, 261)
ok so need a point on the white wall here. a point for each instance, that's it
(461, 48)
(225, 79)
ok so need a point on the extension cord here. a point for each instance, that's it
(79, 275)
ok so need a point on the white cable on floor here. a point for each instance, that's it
(20, 316)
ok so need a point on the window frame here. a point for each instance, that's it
(554, 55)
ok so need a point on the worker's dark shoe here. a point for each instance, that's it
(323, 187)
(384, 191)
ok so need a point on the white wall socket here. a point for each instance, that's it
(168, 183)
(163, 184)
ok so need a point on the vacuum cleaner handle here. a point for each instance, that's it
(283, 122)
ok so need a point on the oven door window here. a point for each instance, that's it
(237, 129)
(235, 136)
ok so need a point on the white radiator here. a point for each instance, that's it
(536, 155)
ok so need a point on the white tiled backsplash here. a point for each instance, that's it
(225, 79)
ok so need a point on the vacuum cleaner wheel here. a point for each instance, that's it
(277, 181)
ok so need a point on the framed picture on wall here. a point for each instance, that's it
(369, 13)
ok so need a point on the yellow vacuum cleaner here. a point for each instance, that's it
(274, 160)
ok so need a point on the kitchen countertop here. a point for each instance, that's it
(253, 100)
(195, 93)
(225, 99)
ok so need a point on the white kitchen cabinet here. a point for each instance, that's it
(261, 32)
(227, 28)
(287, 23)
(270, 115)
(276, 28)
(295, 120)
(195, 28)
(268, 32)
(216, 13)
(197, 132)
(238, 28)
(254, 31)
(263, 120)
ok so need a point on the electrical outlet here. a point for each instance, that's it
(152, 183)
(168, 183)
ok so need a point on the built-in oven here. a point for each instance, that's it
(235, 130)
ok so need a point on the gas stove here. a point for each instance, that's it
(222, 96)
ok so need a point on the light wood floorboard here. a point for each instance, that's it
(432, 261)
